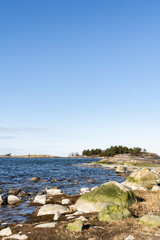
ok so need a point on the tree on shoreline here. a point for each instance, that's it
(113, 150)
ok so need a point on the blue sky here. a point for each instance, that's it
(79, 74)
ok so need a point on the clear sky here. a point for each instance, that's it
(79, 74)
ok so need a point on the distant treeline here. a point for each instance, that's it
(113, 150)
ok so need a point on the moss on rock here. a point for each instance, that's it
(75, 226)
(141, 178)
(113, 212)
(106, 193)
(150, 220)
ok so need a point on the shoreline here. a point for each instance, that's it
(94, 229)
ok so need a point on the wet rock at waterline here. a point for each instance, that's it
(95, 200)
(34, 179)
(53, 191)
(41, 199)
(13, 200)
(14, 191)
(113, 211)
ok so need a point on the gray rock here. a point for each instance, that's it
(75, 226)
(41, 199)
(150, 220)
(53, 191)
(16, 236)
(22, 194)
(46, 225)
(13, 200)
(14, 191)
(34, 179)
(52, 209)
(66, 201)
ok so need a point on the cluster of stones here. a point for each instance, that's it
(110, 200)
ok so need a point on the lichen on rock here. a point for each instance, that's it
(113, 211)
(75, 226)
(141, 178)
(95, 200)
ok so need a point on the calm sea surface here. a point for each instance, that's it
(15, 173)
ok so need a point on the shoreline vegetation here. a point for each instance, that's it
(95, 153)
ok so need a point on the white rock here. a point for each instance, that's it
(41, 199)
(46, 225)
(1, 200)
(78, 213)
(84, 190)
(70, 217)
(66, 201)
(53, 192)
(52, 209)
(13, 199)
(57, 215)
(16, 236)
(83, 218)
(155, 188)
(130, 237)
(6, 232)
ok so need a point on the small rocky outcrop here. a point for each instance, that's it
(150, 220)
(141, 178)
(75, 226)
(95, 200)
(113, 211)
(49, 209)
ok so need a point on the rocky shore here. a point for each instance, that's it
(128, 210)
